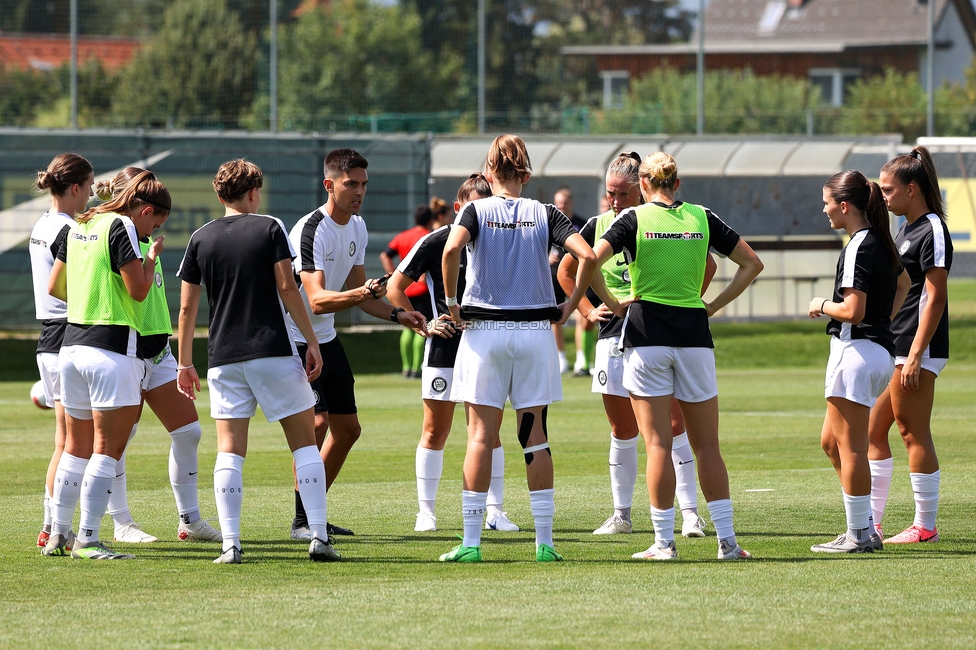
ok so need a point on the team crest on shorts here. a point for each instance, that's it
(602, 377)
(615, 350)
(439, 385)
(352, 248)
(904, 247)
(159, 280)
(315, 394)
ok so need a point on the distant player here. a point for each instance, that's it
(424, 261)
(245, 261)
(921, 329)
(508, 351)
(868, 290)
(331, 245)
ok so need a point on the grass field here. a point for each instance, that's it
(389, 591)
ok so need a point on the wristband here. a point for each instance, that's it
(396, 313)
(179, 367)
(450, 302)
(822, 305)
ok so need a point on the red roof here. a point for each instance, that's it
(48, 51)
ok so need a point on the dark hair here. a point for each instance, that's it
(144, 189)
(423, 215)
(343, 161)
(852, 187)
(438, 206)
(105, 190)
(65, 170)
(508, 159)
(235, 178)
(475, 184)
(918, 168)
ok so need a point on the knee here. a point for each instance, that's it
(347, 435)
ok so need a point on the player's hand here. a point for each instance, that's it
(815, 304)
(564, 313)
(374, 289)
(709, 309)
(619, 307)
(456, 315)
(188, 382)
(412, 319)
(910, 373)
(443, 327)
(313, 362)
(600, 314)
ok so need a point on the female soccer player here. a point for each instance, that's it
(245, 259)
(667, 342)
(623, 192)
(68, 178)
(104, 275)
(861, 347)
(176, 413)
(921, 330)
(424, 260)
(508, 350)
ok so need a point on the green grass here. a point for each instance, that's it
(389, 591)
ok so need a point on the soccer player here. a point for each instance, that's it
(868, 290)
(411, 343)
(667, 343)
(508, 351)
(68, 178)
(586, 331)
(331, 244)
(245, 260)
(424, 260)
(176, 413)
(921, 329)
(104, 273)
(623, 192)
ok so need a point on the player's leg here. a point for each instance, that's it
(429, 458)
(879, 455)
(624, 437)
(229, 484)
(685, 486)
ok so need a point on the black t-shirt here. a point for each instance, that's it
(235, 258)
(923, 245)
(116, 338)
(614, 326)
(654, 324)
(52, 329)
(425, 259)
(864, 265)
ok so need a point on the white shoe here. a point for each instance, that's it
(728, 552)
(426, 523)
(499, 520)
(199, 531)
(319, 551)
(130, 533)
(233, 555)
(614, 525)
(658, 551)
(693, 527)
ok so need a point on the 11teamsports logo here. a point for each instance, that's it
(686, 236)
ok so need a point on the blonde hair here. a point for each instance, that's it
(106, 190)
(508, 159)
(144, 189)
(660, 170)
(627, 166)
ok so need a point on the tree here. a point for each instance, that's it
(357, 58)
(198, 71)
(893, 103)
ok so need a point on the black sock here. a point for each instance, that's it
(301, 519)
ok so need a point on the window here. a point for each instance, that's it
(833, 83)
(615, 85)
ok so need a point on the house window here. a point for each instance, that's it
(833, 83)
(615, 85)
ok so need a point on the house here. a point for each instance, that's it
(830, 42)
(46, 52)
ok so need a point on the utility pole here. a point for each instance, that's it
(273, 82)
(700, 72)
(74, 64)
(481, 66)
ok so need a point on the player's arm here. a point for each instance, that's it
(295, 306)
(395, 293)
(378, 307)
(188, 380)
(576, 246)
(901, 292)
(451, 264)
(325, 301)
(57, 284)
(387, 261)
(140, 275)
(750, 266)
(850, 311)
(928, 322)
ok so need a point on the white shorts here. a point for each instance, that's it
(656, 371)
(162, 369)
(277, 384)
(100, 380)
(437, 383)
(505, 359)
(608, 368)
(935, 366)
(857, 370)
(47, 365)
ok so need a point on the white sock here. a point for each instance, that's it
(684, 475)
(473, 511)
(47, 508)
(310, 472)
(623, 474)
(543, 504)
(858, 511)
(663, 521)
(183, 470)
(229, 495)
(926, 490)
(430, 467)
(580, 361)
(720, 512)
(96, 489)
(67, 491)
(880, 485)
(118, 503)
(496, 489)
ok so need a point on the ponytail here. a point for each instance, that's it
(919, 168)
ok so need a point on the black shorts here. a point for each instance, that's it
(556, 288)
(421, 303)
(333, 389)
